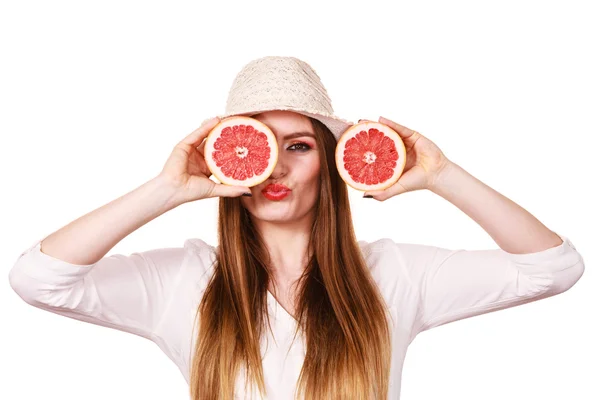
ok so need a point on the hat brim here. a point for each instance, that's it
(335, 124)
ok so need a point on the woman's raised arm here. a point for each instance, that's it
(67, 272)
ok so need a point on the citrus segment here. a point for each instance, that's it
(370, 156)
(241, 151)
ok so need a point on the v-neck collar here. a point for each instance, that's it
(277, 306)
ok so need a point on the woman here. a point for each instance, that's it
(291, 266)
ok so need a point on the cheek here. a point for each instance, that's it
(312, 171)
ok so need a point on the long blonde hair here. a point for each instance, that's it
(340, 308)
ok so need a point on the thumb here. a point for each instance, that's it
(394, 190)
(223, 190)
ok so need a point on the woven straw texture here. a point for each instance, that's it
(282, 83)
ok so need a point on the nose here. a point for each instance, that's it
(280, 168)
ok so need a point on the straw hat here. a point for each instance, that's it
(282, 83)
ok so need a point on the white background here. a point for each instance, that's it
(94, 95)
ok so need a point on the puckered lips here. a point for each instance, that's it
(276, 191)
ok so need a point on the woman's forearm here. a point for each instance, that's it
(87, 239)
(512, 227)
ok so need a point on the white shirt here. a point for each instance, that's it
(155, 294)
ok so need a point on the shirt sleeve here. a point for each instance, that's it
(124, 292)
(457, 284)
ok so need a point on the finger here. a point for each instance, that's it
(201, 160)
(403, 131)
(201, 147)
(197, 136)
(222, 190)
(379, 195)
(197, 164)
(392, 191)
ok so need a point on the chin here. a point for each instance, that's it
(274, 216)
(273, 213)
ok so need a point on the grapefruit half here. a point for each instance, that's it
(370, 156)
(241, 151)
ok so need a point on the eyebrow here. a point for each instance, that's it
(299, 134)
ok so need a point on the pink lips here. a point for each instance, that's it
(276, 191)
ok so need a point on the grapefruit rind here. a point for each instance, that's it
(214, 135)
(365, 126)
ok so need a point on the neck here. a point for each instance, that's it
(287, 244)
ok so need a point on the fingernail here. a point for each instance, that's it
(247, 194)
(367, 196)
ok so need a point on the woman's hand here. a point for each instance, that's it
(186, 169)
(424, 163)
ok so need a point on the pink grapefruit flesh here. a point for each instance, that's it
(370, 156)
(241, 151)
